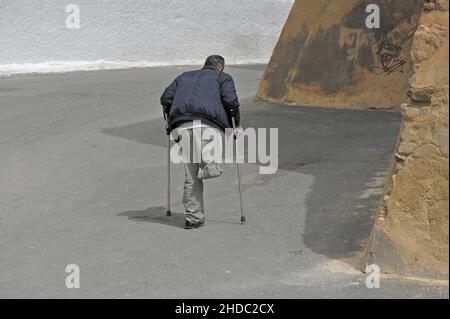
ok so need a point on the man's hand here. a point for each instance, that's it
(238, 131)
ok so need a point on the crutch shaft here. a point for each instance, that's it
(168, 212)
(237, 168)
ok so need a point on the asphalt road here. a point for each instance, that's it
(82, 181)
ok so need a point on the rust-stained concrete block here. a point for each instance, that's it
(326, 56)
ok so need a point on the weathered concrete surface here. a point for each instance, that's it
(411, 233)
(326, 56)
(82, 175)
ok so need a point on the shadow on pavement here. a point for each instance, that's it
(150, 132)
(155, 215)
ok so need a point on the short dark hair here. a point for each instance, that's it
(215, 61)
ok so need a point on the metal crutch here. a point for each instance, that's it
(168, 212)
(243, 219)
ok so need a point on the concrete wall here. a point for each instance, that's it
(411, 235)
(326, 56)
(136, 32)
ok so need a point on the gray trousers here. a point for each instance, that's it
(195, 173)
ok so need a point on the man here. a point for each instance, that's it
(195, 100)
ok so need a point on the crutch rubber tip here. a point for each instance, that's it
(169, 213)
(242, 219)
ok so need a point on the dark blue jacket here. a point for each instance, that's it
(206, 94)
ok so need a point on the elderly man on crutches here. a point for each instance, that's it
(199, 100)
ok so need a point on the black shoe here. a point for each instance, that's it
(189, 225)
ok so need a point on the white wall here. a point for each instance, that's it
(121, 33)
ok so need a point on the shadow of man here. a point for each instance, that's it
(155, 215)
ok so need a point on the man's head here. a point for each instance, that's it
(215, 61)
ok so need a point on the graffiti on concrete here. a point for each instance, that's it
(351, 41)
(389, 58)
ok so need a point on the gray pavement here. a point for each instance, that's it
(82, 181)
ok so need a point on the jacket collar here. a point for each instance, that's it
(208, 67)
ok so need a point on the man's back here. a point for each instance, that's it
(206, 94)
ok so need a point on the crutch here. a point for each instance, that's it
(168, 212)
(237, 166)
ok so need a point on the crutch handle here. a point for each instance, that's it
(233, 122)
(166, 119)
(165, 112)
